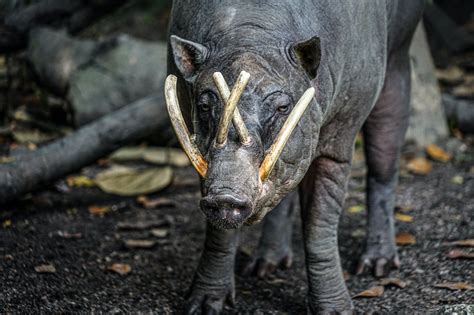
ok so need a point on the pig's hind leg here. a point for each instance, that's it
(384, 133)
(274, 248)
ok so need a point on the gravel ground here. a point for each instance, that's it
(442, 211)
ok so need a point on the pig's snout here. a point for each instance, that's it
(226, 210)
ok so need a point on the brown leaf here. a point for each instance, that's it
(160, 233)
(141, 225)
(371, 292)
(45, 268)
(458, 253)
(99, 210)
(438, 154)
(393, 281)
(148, 203)
(121, 269)
(466, 243)
(404, 238)
(145, 244)
(403, 217)
(451, 75)
(419, 166)
(454, 286)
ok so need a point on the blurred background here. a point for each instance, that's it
(91, 177)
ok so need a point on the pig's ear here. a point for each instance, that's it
(188, 56)
(308, 55)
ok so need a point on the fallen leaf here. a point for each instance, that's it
(393, 281)
(121, 269)
(160, 156)
(467, 243)
(126, 181)
(160, 233)
(372, 292)
(356, 209)
(465, 90)
(145, 244)
(451, 75)
(46, 268)
(419, 166)
(403, 217)
(6, 159)
(458, 253)
(358, 233)
(79, 181)
(458, 180)
(404, 238)
(403, 208)
(31, 136)
(68, 235)
(438, 154)
(454, 286)
(141, 225)
(7, 224)
(148, 203)
(99, 210)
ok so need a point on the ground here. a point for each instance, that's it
(33, 234)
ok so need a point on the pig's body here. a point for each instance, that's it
(363, 76)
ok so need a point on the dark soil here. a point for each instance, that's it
(442, 211)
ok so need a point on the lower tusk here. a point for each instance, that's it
(179, 126)
(229, 107)
(237, 118)
(277, 147)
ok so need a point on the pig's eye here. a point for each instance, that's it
(281, 102)
(206, 100)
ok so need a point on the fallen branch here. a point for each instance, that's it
(89, 143)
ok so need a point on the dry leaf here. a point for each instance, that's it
(403, 217)
(393, 281)
(438, 154)
(467, 243)
(372, 292)
(356, 209)
(141, 225)
(465, 90)
(46, 268)
(454, 286)
(148, 203)
(451, 75)
(121, 269)
(99, 210)
(79, 181)
(7, 224)
(458, 180)
(140, 244)
(126, 181)
(160, 156)
(404, 238)
(160, 233)
(419, 166)
(6, 159)
(458, 253)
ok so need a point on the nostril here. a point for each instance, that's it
(233, 205)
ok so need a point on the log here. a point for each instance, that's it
(72, 15)
(38, 168)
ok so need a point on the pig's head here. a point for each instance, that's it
(251, 155)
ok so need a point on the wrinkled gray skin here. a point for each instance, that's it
(355, 54)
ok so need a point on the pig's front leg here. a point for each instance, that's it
(213, 282)
(322, 196)
(274, 248)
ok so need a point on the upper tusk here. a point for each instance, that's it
(237, 118)
(179, 125)
(229, 107)
(277, 147)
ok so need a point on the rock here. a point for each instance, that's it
(461, 111)
(427, 121)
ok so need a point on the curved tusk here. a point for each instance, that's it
(179, 126)
(237, 120)
(229, 107)
(277, 147)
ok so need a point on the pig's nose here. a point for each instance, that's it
(226, 207)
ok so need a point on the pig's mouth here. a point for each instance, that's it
(229, 211)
